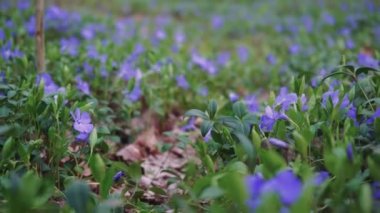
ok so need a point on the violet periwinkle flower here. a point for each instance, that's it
(278, 143)
(50, 86)
(203, 91)
(286, 185)
(233, 96)
(135, 94)
(70, 46)
(88, 32)
(350, 152)
(271, 59)
(207, 137)
(190, 126)
(7, 52)
(349, 43)
(217, 22)
(366, 60)
(82, 85)
(328, 18)
(304, 106)
(375, 115)
(118, 176)
(182, 82)
(243, 53)
(2, 35)
(375, 190)
(285, 99)
(330, 95)
(320, 177)
(352, 113)
(127, 71)
(82, 124)
(88, 68)
(269, 118)
(308, 23)
(223, 58)
(252, 103)
(92, 52)
(204, 64)
(294, 49)
(23, 4)
(160, 34)
(179, 37)
(30, 26)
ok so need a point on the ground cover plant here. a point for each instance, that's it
(190, 106)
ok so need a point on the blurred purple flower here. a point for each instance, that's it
(203, 91)
(2, 35)
(179, 37)
(7, 52)
(160, 34)
(70, 46)
(366, 60)
(349, 43)
(243, 53)
(182, 82)
(88, 68)
(375, 190)
(82, 85)
(320, 177)
(286, 185)
(190, 126)
(375, 115)
(271, 59)
(23, 4)
(304, 106)
(308, 23)
(118, 176)
(330, 95)
(30, 26)
(233, 96)
(223, 58)
(328, 18)
(350, 152)
(217, 22)
(126, 71)
(352, 113)
(278, 143)
(92, 52)
(294, 49)
(204, 64)
(135, 94)
(252, 103)
(50, 86)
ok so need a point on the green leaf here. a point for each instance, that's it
(365, 198)
(211, 192)
(98, 167)
(248, 148)
(8, 149)
(206, 127)
(212, 109)
(78, 196)
(93, 140)
(272, 162)
(107, 182)
(196, 113)
(239, 109)
(365, 70)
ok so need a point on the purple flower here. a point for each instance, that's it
(223, 58)
(203, 91)
(308, 23)
(92, 52)
(352, 113)
(7, 52)
(179, 37)
(252, 104)
(350, 44)
(2, 35)
(375, 115)
(50, 86)
(304, 106)
(126, 71)
(204, 64)
(320, 177)
(135, 94)
(350, 152)
(182, 82)
(217, 22)
(30, 26)
(160, 34)
(271, 59)
(233, 96)
(366, 60)
(207, 137)
(269, 118)
(330, 95)
(285, 99)
(70, 46)
(190, 126)
(375, 190)
(278, 143)
(286, 185)
(118, 176)
(243, 53)
(83, 86)
(328, 18)
(294, 49)
(82, 124)
(88, 32)
(23, 4)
